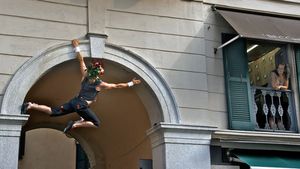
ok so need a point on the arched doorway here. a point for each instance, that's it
(156, 88)
(124, 123)
(121, 139)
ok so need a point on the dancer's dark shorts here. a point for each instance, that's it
(78, 105)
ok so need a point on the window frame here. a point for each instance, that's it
(294, 83)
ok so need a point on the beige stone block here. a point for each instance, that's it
(24, 46)
(45, 11)
(4, 80)
(69, 2)
(215, 66)
(210, 47)
(215, 25)
(212, 17)
(172, 60)
(156, 41)
(39, 28)
(185, 80)
(158, 24)
(9, 64)
(96, 16)
(214, 33)
(191, 98)
(216, 84)
(170, 8)
(217, 102)
(204, 117)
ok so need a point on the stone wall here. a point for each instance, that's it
(30, 27)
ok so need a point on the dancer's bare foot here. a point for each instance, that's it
(69, 126)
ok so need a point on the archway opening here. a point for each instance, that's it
(56, 147)
(47, 148)
(121, 140)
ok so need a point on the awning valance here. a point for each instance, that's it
(269, 160)
(263, 27)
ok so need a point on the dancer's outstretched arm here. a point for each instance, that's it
(105, 85)
(79, 56)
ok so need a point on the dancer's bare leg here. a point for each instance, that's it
(83, 123)
(78, 124)
(42, 108)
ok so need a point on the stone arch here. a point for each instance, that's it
(35, 67)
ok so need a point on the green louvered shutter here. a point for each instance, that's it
(237, 85)
(297, 55)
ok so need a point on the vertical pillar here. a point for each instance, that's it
(96, 27)
(176, 146)
(96, 16)
(10, 131)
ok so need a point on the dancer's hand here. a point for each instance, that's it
(136, 81)
(75, 42)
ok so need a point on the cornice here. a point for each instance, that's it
(257, 140)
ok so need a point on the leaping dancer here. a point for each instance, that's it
(91, 85)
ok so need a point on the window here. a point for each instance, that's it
(269, 79)
(255, 100)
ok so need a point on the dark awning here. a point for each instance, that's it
(269, 161)
(263, 27)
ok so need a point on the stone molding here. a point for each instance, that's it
(35, 67)
(176, 146)
(256, 140)
(164, 133)
(11, 125)
(150, 75)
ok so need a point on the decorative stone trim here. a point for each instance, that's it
(35, 67)
(256, 140)
(180, 134)
(176, 146)
(97, 44)
(11, 125)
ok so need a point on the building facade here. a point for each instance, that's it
(206, 100)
